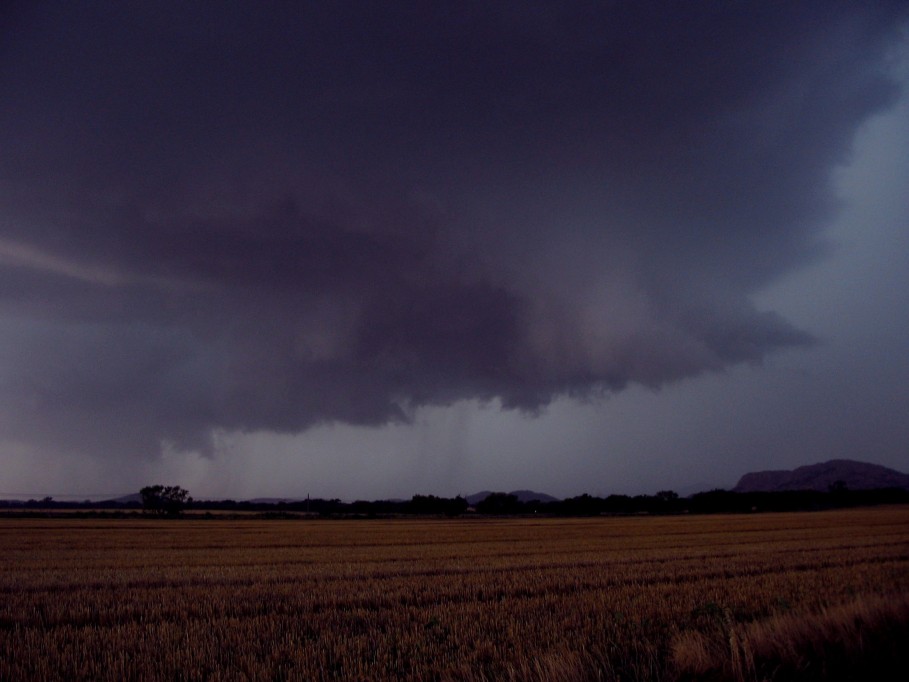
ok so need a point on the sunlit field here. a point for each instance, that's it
(765, 596)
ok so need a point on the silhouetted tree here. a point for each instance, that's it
(430, 504)
(164, 500)
(500, 503)
(582, 505)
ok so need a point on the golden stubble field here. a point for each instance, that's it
(764, 596)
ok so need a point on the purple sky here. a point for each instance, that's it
(377, 249)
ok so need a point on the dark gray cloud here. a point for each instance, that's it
(266, 217)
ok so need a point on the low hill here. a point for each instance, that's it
(522, 495)
(855, 475)
(125, 499)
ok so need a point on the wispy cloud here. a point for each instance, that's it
(18, 255)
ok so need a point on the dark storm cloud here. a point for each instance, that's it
(272, 216)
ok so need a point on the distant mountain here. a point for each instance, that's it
(856, 476)
(522, 495)
(126, 499)
(273, 500)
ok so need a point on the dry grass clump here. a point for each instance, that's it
(647, 599)
(866, 638)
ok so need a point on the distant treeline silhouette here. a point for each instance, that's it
(504, 504)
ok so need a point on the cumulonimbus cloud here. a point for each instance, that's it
(283, 219)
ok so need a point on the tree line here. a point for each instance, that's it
(172, 501)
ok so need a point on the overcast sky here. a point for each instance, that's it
(367, 250)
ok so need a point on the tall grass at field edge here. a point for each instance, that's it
(864, 639)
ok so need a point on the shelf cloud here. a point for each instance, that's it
(269, 217)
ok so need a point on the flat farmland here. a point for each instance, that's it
(765, 596)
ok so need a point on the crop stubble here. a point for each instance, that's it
(643, 598)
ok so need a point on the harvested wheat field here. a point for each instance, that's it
(766, 596)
